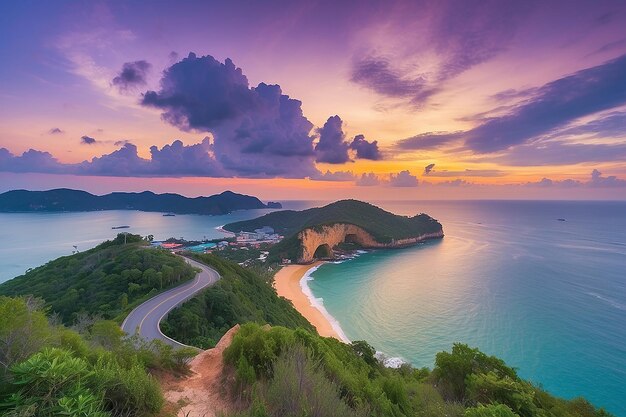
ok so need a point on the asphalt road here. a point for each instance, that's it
(145, 318)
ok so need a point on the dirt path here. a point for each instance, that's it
(202, 393)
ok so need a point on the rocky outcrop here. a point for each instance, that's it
(332, 235)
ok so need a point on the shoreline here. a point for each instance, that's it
(290, 282)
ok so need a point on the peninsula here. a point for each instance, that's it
(315, 233)
(64, 199)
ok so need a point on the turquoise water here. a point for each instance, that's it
(547, 296)
(28, 240)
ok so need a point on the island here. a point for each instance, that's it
(63, 199)
(315, 233)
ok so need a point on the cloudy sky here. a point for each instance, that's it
(320, 100)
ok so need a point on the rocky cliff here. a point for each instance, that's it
(331, 235)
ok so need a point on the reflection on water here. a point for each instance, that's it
(545, 295)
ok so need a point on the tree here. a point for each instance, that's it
(23, 330)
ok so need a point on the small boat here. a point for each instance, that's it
(120, 227)
(561, 220)
(169, 215)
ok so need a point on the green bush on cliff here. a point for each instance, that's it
(240, 296)
(49, 370)
(465, 382)
(107, 280)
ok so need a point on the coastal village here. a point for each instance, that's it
(242, 241)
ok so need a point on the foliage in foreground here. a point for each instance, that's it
(50, 370)
(272, 365)
(240, 296)
(107, 280)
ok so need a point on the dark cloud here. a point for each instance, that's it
(334, 176)
(55, 131)
(368, 180)
(375, 72)
(403, 179)
(132, 76)
(332, 147)
(121, 142)
(553, 106)
(365, 149)
(257, 132)
(428, 168)
(87, 140)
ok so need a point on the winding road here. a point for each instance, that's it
(145, 318)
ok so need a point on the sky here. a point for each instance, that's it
(461, 99)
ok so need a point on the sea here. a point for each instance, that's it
(541, 284)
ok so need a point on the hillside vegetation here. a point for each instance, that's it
(381, 224)
(240, 296)
(106, 281)
(48, 370)
(282, 372)
(64, 199)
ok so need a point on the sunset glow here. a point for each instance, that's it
(472, 99)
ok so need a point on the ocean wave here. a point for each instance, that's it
(609, 301)
(389, 362)
(318, 303)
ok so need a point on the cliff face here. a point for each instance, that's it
(332, 235)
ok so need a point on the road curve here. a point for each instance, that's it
(145, 318)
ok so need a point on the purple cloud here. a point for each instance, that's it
(429, 140)
(428, 169)
(334, 176)
(403, 179)
(133, 75)
(331, 147)
(170, 160)
(461, 36)
(554, 105)
(375, 72)
(257, 132)
(86, 140)
(368, 180)
(55, 131)
(30, 161)
(598, 180)
(365, 149)
(560, 153)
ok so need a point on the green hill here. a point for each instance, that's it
(381, 224)
(283, 372)
(64, 199)
(240, 296)
(106, 281)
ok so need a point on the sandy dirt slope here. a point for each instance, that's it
(202, 392)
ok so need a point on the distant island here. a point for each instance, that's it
(64, 199)
(315, 233)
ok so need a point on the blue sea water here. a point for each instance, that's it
(547, 296)
(28, 240)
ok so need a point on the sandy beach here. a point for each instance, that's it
(287, 284)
